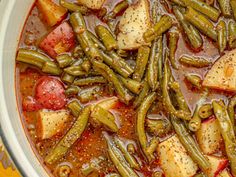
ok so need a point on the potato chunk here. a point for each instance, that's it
(134, 22)
(222, 75)
(49, 123)
(174, 159)
(92, 4)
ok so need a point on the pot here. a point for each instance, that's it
(12, 19)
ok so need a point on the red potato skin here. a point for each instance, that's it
(63, 35)
(50, 93)
(222, 165)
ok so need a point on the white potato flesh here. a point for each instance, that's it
(222, 75)
(92, 4)
(224, 173)
(133, 23)
(209, 136)
(49, 123)
(174, 160)
(217, 165)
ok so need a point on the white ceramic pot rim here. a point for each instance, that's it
(12, 18)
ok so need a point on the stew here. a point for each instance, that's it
(130, 88)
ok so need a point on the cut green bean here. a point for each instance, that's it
(111, 77)
(183, 114)
(222, 36)
(64, 60)
(83, 37)
(194, 61)
(144, 92)
(73, 7)
(195, 123)
(96, 41)
(103, 117)
(173, 42)
(78, 52)
(201, 22)
(67, 78)
(75, 107)
(89, 94)
(51, 68)
(118, 9)
(141, 63)
(132, 85)
(227, 132)
(195, 80)
(86, 65)
(75, 71)
(225, 7)
(129, 158)
(157, 174)
(191, 32)
(232, 34)
(122, 53)
(90, 81)
(204, 8)
(140, 123)
(205, 111)
(118, 160)
(159, 127)
(164, 24)
(233, 7)
(70, 137)
(32, 57)
(131, 148)
(106, 37)
(72, 90)
(231, 106)
(189, 144)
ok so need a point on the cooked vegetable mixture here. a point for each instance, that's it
(138, 88)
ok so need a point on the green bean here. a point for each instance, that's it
(91, 166)
(157, 174)
(118, 160)
(112, 175)
(122, 53)
(227, 132)
(51, 68)
(89, 94)
(144, 92)
(67, 78)
(183, 114)
(70, 137)
(179, 3)
(205, 111)
(201, 22)
(200, 175)
(231, 106)
(73, 7)
(141, 62)
(173, 42)
(191, 32)
(119, 8)
(159, 127)
(103, 117)
(140, 123)
(72, 90)
(78, 52)
(75, 70)
(90, 81)
(194, 61)
(232, 34)
(179, 96)
(75, 107)
(117, 64)
(222, 36)
(204, 8)
(225, 7)
(111, 77)
(195, 80)
(106, 37)
(152, 148)
(64, 60)
(129, 158)
(160, 60)
(152, 71)
(32, 57)
(83, 37)
(63, 171)
(233, 7)
(97, 42)
(195, 123)
(189, 144)
(86, 65)
(132, 85)
(159, 28)
(131, 148)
